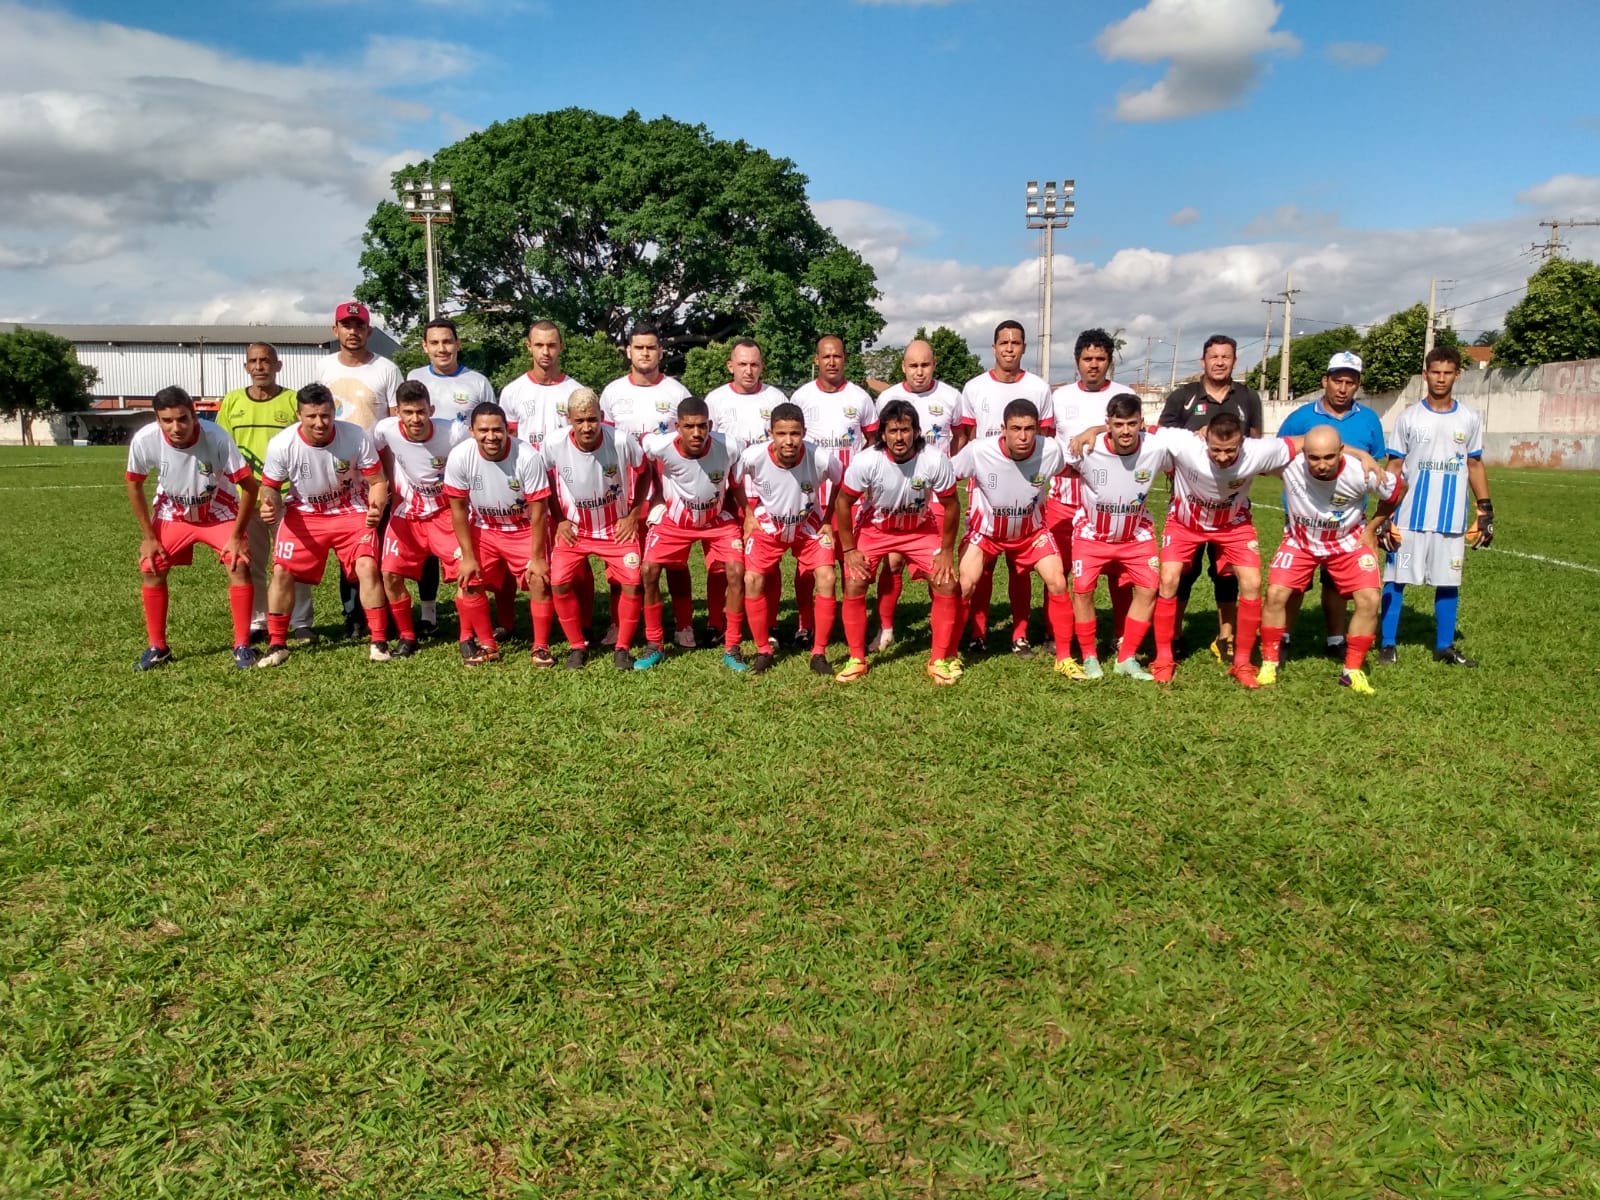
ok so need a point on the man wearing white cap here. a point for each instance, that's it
(1359, 427)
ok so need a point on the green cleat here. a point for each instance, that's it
(1268, 674)
(1356, 681)
(1130, 668)
(1091, 669)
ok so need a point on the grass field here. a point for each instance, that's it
(408, 930)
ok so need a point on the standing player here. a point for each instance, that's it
(695, 467)
(641, 403)
(1358, 426)
(984, 400)
(600, 491)
(895, 489)
(1011, 477)
(252, 416)
(782, 482)
(497, 487)
(336, 502)
(413, 447)
(204, 493)
(1325, 524)
(1191, 406)
(1439, 441)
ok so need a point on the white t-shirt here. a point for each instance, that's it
(327, 480)
(642, 409)
(363, 394)
(1113, 488)
(693, 489)
(1006, 499)
(418, 467)
(936, 410)
(497, 493)
(455, 396)
(984, 400)
(1211, 498)
(594, 487)
(1076, 410)
(788, 502)
(537, 411)
(194, 483)
(744, 418)
(898, 497)
(837, 421)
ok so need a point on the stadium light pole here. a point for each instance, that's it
(1049, 210)
(427, 204)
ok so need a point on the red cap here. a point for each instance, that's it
(352, 308)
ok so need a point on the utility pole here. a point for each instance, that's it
(1055, 213)
(1289, 293)
(1144, 377)
(1175, 342)
(1427, 337)
(1266, 345)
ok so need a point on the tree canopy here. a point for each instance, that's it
(598, 222)
(1308, 359)
(40, 373)
(1391, 353)
(1558, 320)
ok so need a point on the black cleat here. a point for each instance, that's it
(541, 657)
(355, 628)
(1021, 648)
(1451, 656)
(802, 639)
(471, 653)
(621, 659)
(975, 645)
(1389, 656)
(502, 634)
(1334, 651)
(761, 664)
(405, 648)
(427, 631)
(258, 635)
(819, 665)
(577, 658)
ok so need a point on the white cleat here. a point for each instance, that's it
(683, 639)
(379, 652)
(883, 641)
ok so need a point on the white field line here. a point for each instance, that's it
(58, 487)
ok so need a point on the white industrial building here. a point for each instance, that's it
(137, 361)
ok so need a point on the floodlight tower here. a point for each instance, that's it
(1050, 210)
(427, 203)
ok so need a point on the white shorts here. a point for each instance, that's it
(1433, 559)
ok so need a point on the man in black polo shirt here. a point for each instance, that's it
(1191, 407)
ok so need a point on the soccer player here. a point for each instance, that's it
(984, 400)
(641, 403)
(600, 492)
(695, 466)
(1325, 523)
(1439, 441)
(497, 487)
(1191, 406)
(782, 483)
(204, 493)
(1358, 426)
(1011, 477)
(336, 502)
(1113, 528)
(413, 447)
(892, 492)
(935, 402)
(251, 416)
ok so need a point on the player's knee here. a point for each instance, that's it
(1366, 601)
(824, 579)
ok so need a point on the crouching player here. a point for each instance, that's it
(1011, 477)
(337, 497)
(891, 492)
(695, 465)
(497, 487)
(1325, 503)
(413, 448)
(205, 492)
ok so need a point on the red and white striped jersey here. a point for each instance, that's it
(1211, 498)
(898, 497)
(936, 410)
(642, 409)
(1326, 518)
(1077, 409)
(418, 466)
(536, 412)
(497, 493)
(984, 400)
(788, 502)
(594, 488)
(327, 480)
(1006, 499)
(194, 483)
(693, 489)
(837, 421)
(744, 418)
(1113, 488)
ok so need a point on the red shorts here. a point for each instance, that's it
(409, 544)
(178, 540)
(502, 556)
(1057, 515)
(763, 552)
(622, 559)
(1356, 570)
(304, 540)
(669, 545)
(1135, 563)
(1236, 547)
(917, 545)
(1023, 555)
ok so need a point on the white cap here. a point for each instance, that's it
(1345, 360)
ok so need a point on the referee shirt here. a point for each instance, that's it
(1192, 407)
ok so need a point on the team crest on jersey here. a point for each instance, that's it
(1460, 436)
(435, 461)
(714, 476)
(663, 406)
(919, 483)
(1340, 501)
(1155, 563)
(936, 410)
(459, 397)
(1455, 564)
(1141, 476)
(609, 468)
(1037, 481)
(825, 540)
(514, 484)
(561, 407)
(1253, 545)
(850, 411)
(766, 414)
(205, 467)
(1367, 563)
(341, 464)
(1039, 541)
(808, 487)
(630, 559)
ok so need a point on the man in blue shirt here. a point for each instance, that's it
(1359, 428)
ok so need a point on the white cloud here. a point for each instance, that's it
(1352, 55)
(1579, 194)
(1211, 48)
(1290, 220)
(1184, 216)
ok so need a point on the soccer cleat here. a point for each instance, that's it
(883, 641)
(489, 654)
(621, 659)
(1221, 649)
(1163, 669)
(1021, 649)
(954, 665)
(1389, 656)
(243, 657)
(684, 639)
(275, 656)
(734, 661)
(762, 663)
(427, 631)
(1091, 669)
(1245, 675)
(1267, 674)
(610, 638)
(258, 635)
(1451, 656)
(379, 652)
(802, 639)
(153, 657)
(355, 628)
(470, 654)
(854, 671)
(974, 646)
(653, 656)
(405, 648)
(541, 657)
(1130, 668)
(820, 665)
(303, 636)
(940, 672)
(577, 658)
(502, 634)
(714, 638)
(1356, 681)
(1069, 668)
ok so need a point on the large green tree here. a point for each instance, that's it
(953, 360)
(1391, 353)
(40, 373)
(597, 222)
(1558, 320)
(1308, 359)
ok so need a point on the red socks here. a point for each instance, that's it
(855, 625)
(1355, 651)
(401, 611)
(890, 585)
(1166, 626)
(1271, 642)
(474, 613)
(978, 602)
(716, 597)
(1085, 630)
(544, 619)
(241, 600)
(1060, 610)
(654, 634)
(946, 621)
(1019, 590)
(757, 611)
(378, 623)
(569, 609)
(155, 613)
(824, 609)
(1244, 633)
(627, 610)
(277, 629)
(1132, 637)
(805, 589)
(733, 634)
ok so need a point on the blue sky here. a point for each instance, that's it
(1216, 143)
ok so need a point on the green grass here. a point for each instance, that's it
(413, 931)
